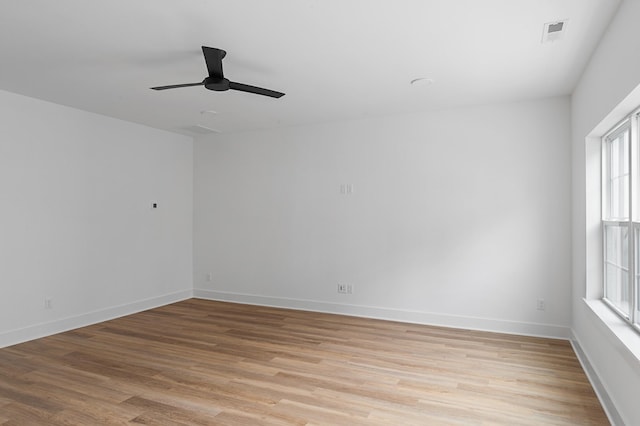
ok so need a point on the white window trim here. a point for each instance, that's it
(631, 122)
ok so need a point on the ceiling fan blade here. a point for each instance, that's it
(254, 89)
(175, 86)
(213, 58)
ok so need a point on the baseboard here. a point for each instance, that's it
(417, 317)
(36, 331)
(596, 384)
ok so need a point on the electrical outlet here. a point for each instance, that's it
(48, 303)
(209, 276)
(541, 305)
(346, 188)
(345, 288)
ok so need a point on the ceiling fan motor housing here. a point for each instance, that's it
(217, 84)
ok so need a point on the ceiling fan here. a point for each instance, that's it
(216, 81)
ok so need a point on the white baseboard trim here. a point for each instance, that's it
(417, 317)
(596, 384)
(36, 331)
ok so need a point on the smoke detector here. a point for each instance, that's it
(554, 31)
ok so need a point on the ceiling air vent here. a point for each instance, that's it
(200, 129)
(554, 31)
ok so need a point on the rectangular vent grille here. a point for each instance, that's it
(200, 129)
(554, 31)
(554, 28)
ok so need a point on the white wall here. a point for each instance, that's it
(76, 223)
(458, 217)
(602, 96)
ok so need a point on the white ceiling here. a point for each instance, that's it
(334, 59)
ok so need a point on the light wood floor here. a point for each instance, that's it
(200, 362)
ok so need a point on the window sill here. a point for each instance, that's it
(625, 335)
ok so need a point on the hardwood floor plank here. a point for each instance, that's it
(201, 362)
(17, 413)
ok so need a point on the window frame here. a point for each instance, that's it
(630, 123)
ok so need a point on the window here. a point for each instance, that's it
(621, 219)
